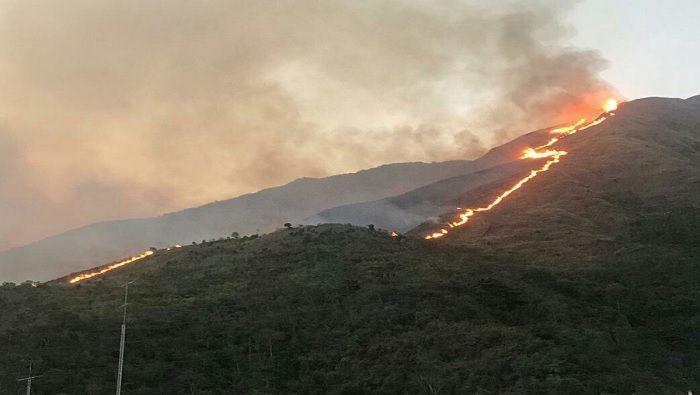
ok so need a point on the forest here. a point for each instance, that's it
(346, 309)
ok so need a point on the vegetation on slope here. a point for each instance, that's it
(337, 308)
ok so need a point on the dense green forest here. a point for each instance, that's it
(343, 309)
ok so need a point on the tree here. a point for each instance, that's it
(287, 225)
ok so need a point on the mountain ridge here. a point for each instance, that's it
(502, 160)
(406, 209)
(262, 211)
(643, 161)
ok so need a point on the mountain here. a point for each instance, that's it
(627, 176)
(592, 196)
(644, 161)
(583, 281)
(257, 212)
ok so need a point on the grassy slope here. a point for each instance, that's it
(337, 308)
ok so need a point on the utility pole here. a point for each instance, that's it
(121, 343)
(29, 378)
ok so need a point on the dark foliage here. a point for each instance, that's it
(343, 309)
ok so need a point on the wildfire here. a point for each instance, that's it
(145, 254)
(531, 153)
(610, 105)
(85, 276)
(568, 129)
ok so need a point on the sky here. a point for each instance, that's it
(653, 46)
(123, 108)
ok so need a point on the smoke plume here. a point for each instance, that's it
(115, 108)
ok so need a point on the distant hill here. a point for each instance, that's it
(257, 212)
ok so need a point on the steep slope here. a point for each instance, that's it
(339, 309)
(408, 210)
(253, 213)
(621, 178)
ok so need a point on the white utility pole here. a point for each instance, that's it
(29, 378)
(121, 343)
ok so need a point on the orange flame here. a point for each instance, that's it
(85, 276)
(568, 129)
(610, 105)
(531, 153)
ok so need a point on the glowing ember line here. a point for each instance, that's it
(570, 128)
(468, 213)
(531, 153)
(145, 254)
(85, 276)
(549, 143)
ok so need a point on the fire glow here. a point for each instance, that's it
(540, 152)
(145, 254)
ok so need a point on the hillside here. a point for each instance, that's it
(643, 162)
(584, 281)
(405, 211)
(347, 310)
(640, 167)
(258, 212)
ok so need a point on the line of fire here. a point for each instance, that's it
(543, 151)
(546, 150)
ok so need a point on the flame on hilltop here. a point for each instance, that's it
(145, 254)
(610, 105)
(540, 152)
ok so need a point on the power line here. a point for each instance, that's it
(121, 342)
(29, 378)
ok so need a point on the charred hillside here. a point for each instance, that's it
(338, 308)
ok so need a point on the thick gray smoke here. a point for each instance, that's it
(113, 108)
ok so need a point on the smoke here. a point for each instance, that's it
(117, 108)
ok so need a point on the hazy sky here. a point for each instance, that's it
(121, 108)
(653, 45)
